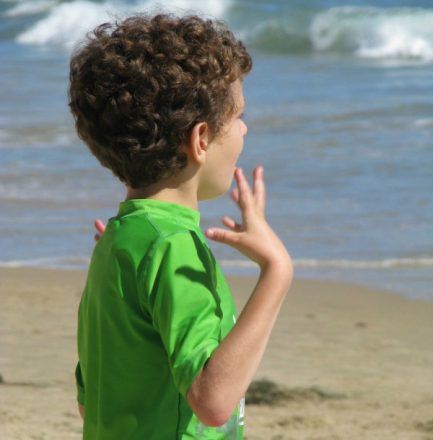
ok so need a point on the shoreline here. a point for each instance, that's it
(251, 272)
(374, 349)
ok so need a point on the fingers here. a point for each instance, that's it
(100, 226)
(222, 236)
(245, 194)
(235, 195)
(259, 188)
(100, 229)
(230, 223)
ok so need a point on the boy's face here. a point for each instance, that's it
(223, 151)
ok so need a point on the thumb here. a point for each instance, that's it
(222, 236)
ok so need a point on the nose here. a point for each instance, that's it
(244, 128)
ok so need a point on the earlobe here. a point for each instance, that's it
(198, 142)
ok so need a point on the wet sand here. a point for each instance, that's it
(349, 362)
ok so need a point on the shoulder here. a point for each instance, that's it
(143, 231)
(177, 254)
(188, 245)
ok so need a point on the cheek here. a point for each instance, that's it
(233, 156)
(238, 146)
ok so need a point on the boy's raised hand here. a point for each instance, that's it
(253, 237)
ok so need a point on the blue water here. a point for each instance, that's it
(339, 110)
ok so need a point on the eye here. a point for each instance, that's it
(242, 116)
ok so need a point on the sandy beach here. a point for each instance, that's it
(344, 362)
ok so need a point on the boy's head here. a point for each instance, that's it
(138, 87)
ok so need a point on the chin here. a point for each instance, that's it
(210, 196)
(213, 193)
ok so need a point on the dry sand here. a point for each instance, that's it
(347, 362)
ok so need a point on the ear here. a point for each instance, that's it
(198, 142)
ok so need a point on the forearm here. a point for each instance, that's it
(230, 370)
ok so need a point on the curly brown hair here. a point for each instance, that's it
(138, 86)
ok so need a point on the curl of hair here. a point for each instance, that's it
(138, 86)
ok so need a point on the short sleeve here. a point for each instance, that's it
(184, 304)
(80, 384)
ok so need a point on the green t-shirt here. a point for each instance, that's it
(155, 307)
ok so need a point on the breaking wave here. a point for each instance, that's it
(375, 33)
(67, 23)
(365, 32)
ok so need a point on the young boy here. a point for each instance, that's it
(158, 100)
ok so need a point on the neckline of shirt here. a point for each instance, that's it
(179, 213)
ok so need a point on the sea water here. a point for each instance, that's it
(339, 111)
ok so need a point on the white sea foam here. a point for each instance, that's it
(388, 263)
(399, 33)
(75, 262)
(423, 122)
(67, 23)
(49, 263)
(43, 138)
(30, 7)
(211, 8)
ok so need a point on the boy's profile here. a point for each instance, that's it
(159, 101)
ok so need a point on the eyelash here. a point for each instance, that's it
(242, 116)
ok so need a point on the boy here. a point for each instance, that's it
(159, 101)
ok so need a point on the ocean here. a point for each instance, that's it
(339, 111)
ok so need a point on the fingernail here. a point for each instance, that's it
(210, 232)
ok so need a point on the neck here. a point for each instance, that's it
(172, 191)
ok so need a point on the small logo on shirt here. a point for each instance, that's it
(241, 411)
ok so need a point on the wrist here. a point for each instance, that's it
(280, 267)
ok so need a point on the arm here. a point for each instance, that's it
(228, 373)
(81, 410)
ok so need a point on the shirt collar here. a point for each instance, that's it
(179, 213)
